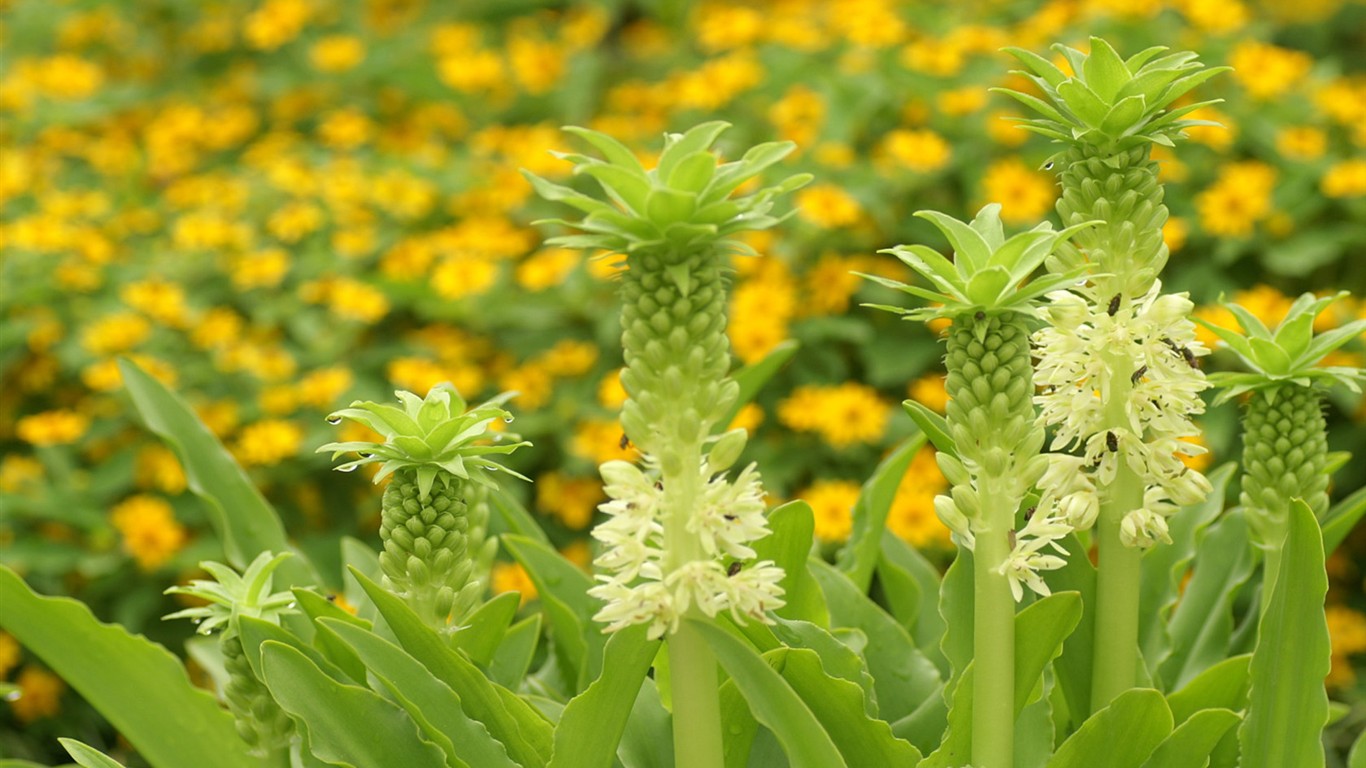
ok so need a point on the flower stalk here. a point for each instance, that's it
(677, 538)
(1116, 363)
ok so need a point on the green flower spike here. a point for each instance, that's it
(1285, 439)
(260, 721)
(1109, 114)
(437, 452)
(990, 415)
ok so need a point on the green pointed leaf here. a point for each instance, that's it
(1041, 66)
(513, 656)
(1124, 117)
(563, 589)
(921, 613)
(694, 173)
(1036, 104)
(665, 206)
(481, 633)
(1190, 744)
(592, 723)
(615, 152)
(772, 700)
(858, 558)
(1126, 733)
(524, 731)
(648, 740)
(932, 425)
(754, 162)
(1104, 71)
(429, 701)
(788, 546)
(1269, 357)
(1083, 102)
(1342, 519)
(931, 265)
(1328, 341)
(838, 705)
(1222, 686)
(331, 712)
(567, 195)
(127, 678)
(87, 756)
(986, 287)
(970, 250)
(752, 378)
(630, 189)
(680, 147)
(1288, 704)
(240, 515)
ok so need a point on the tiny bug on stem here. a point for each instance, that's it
(1114, 304)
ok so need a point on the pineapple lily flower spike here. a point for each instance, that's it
(260, 721)
(1285, 440)
(679, 530)
(438, 453)
(990, 416)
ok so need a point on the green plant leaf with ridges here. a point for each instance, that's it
(859, 557)
(87, 756)
(592, 723)
(1190, 743)
(241, 516)
(1222, 686)
(1126, 732)
(484, 629)
(752, 378)
(563, 590)
(130, 680)
(513, 656)
(788, 545)
(1288, 704)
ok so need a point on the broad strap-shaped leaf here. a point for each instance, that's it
(484, 629)
(1288, 704)
(346, 724)
(130, 680)
(1190, 744)
(1073, 667)
(752, 378)
(1126, 732)
(932, 425)
(429, 701)
(788, 545)
(648, 739)
(563, 590)
(593, 722)
(902, 676)
(240, 515)
(1222, 686)
(838, 705)
(513, 656)
(859, 557)
(1342, 518)
(524, 731)
(1040, 630)
(926, 625)
(772, 700)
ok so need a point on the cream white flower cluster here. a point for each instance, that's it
(639, 588)
(1090, 342)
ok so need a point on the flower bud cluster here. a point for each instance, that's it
(1121, 383)
(640, 588)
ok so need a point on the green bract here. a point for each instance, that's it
(988, 271)
(679, 206)
(1290, 353)
(231, 595)
(428, 435)
(1111, 102)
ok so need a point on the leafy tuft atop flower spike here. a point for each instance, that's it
(1109, 102)
(230, 595)
(428, 435)
(988, 271)
(1290, 353)
(682, 204)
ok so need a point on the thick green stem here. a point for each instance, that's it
(1114, 667)
(993, 685)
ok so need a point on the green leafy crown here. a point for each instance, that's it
(230, 595)
(682, 204)
(430, 435)
(1110, 102)
(988, 271)
(1289, 354)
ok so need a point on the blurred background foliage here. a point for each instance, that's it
(280, 206)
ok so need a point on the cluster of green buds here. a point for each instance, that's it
(434, 510)
(1285, 439)
(261, 723)
(1119, 362)
(986, 295)
(678, 531)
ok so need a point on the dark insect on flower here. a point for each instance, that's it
(624, 443)
(1114, 304)
(979, 315)
(659, 485)
(1138, 374)
(729, 517)
(1029, 513)
(1184, 353)
(734, 568)
(1111, 441)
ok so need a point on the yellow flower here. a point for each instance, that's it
(961, 101)
(512, 577)
(1347, 633)
(1174, 233)
(600, 441)
(1025, 194)
(40, 695)
(829, 284)
(920, 151)
(1003, 127)
(115, 333)
(579, 553)
(1238, 199)
(1301, 142)
(17, 473)
(611, 394)
(275, 23)
(1266, 71)
(1218, 137)
(748, 418)
(9, 654)
(294, 221)
(828, 206)
(1343, 100)
(832, 502)
(268, 442)
(571, 500)
(69, 77)
(546, 268)
(1345, 179)
(456, 278)
(353, 300)
(262, 269)
(930, 391)
(532, 383)
(842, 415)
(161, 300)
(345, 129)
(322, 388)
(569, 358)
(336, 53)
(1200, 462)
(471, 71)
(798, 115)
(52, 428)
(149, 529)
(1216, 16)
(912, 516)
(419, 375)
(537, 65)
(157, 467)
